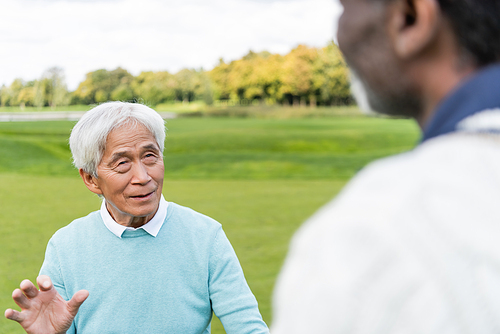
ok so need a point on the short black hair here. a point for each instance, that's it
(477, 26)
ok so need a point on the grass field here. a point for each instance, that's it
(199, 108)
(261, 178)
(35, 109)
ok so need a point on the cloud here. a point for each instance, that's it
(82, 36)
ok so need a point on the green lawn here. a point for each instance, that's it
(35, 109)
(261, 178)
(229, 148)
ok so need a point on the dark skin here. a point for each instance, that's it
(405, 49)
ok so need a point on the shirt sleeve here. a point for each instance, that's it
(232, 300)
(51, 267)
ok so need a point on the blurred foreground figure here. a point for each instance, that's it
(140, 264)
(411, 245)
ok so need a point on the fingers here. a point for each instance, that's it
(29, 289)
(21, 300)
(22, 296)
(14, 315)
(44, 282)
(77, 300)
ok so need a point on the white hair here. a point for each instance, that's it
(88, 137)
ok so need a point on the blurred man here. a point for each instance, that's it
(411, 245)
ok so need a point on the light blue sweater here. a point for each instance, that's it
(170, 283)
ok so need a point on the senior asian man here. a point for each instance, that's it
(411, 244)
(140, 264)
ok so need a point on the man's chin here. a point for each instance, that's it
(403, 104)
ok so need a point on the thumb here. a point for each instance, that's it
(44, 282)
(78, 298)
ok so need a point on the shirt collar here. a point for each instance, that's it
(152, 227)
(478, 93)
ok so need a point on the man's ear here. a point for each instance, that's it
(413, 25)
(91, 182)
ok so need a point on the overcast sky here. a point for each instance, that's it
(139, 35)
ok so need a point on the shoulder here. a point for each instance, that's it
(421, 218)
(443, 180)
(190, 232)
(190, 219)
(79, 228)
(445, 184)
(447, 162)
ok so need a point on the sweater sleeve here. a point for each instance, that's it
(232, 301)
(51, 267)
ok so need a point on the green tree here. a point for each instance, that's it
(305, 75)
(314, 76)
(219, 76)
(55, 87)
(255, 76)
(39, 93)
(122, 93)
(207, 91)
(330, 77)
(154, 87)
(15, 88)
(188, 86)
(26, 96)
(49, 90)
(99, 85)
(297, 74)
(5, 96)
(10, 96)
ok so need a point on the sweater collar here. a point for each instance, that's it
(477, 94)
(152, 227)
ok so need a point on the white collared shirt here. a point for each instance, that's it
(152, 227)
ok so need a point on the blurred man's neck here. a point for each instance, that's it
(438, 73)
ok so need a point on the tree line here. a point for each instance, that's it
(304, 76)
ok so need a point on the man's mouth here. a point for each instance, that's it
(142, 195)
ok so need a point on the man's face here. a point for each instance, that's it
(130, 174)
(377, 72)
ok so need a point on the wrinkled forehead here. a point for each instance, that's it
(129, 134)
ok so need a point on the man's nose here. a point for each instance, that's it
(140, 174)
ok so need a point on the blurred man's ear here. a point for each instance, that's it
(90, 181)
(413, 25)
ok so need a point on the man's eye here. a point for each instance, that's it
(150, 157)
(122, 166)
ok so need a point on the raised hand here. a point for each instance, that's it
(44, 311)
